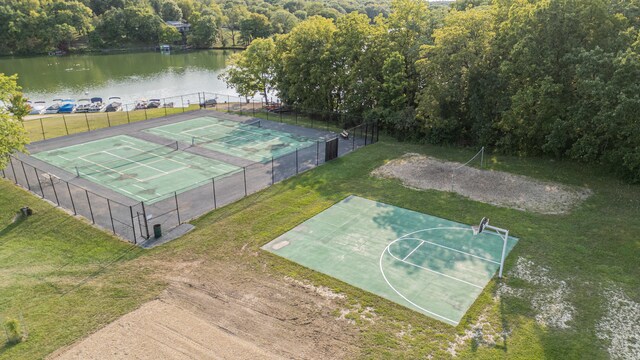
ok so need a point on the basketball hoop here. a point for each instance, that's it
(480, 228)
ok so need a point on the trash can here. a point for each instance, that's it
(157, 230)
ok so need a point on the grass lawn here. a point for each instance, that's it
(51, 126)
(594, 248)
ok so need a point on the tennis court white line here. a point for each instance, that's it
(452, 249)
(412, 251)
(139, 163)
(104, 167)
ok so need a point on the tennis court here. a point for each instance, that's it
(139, 169)
(434, 266)
(244, 140)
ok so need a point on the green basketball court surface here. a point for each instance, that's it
(434, 266)
(250, 142)
(139, 169)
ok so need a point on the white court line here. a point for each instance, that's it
(452, 249)
(412, 251)
(386, 250)
(139, 163)
(108, 169)
(433, 271)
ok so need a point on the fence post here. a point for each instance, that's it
(133, 226)
(296, 160)
(213, 184)
(366, 133)
(145, 114)
(93, 220)
(182, 102)
(65, 125)
(164, 105)
(73, 204)
(144, 214)
(126, 109)
(113, 227)
(13, 170)
(108, 119)
(39, 183)
(317, 152)
(25, 175)
(244, 173)
(273, 174)
(175, 194)
(86, 119)
(55, 193)
(42, 128)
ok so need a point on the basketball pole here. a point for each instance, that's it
(505, 236)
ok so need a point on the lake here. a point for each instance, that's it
(130, 76)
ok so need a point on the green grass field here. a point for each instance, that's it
(68, 279)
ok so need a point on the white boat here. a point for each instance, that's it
(141, 104)
(54, 108)
(153, 103)
(37, 107)
(113, 104)
(96, 104)
(83, 105)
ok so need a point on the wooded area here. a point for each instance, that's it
(540, 78)
(39, 26)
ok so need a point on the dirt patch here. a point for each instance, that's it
(481, 333)
(548, 299)
(621, 325)
(214, 310)
(492, 187)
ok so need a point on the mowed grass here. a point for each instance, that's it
(591, 249)
(61, 277)
(51, 126)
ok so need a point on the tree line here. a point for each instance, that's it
(530, 77)
(39, 26)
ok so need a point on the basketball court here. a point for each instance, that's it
(431, 265)
(247, 140)
(136, 168)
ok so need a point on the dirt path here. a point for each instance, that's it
(492, 187)
(214, 312)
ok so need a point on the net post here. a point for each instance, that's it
(77, 171)
(86, 192)
(175, 195)
(113, 227)
(73, 204)
(193, 141)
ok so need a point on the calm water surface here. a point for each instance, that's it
(130, 76)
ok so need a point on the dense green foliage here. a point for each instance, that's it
(12, 134)
(544, 77)
(38, 26)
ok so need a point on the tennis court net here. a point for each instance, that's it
(114, 165)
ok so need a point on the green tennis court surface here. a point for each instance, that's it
(139, 169)
(234, 138)
(428, 264)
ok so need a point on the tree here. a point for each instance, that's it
(12, 134)
(252, 71)
(282, 22)
(170, 11)
(254, 26)
(170, 35)
(234, 17)
(203, 30)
